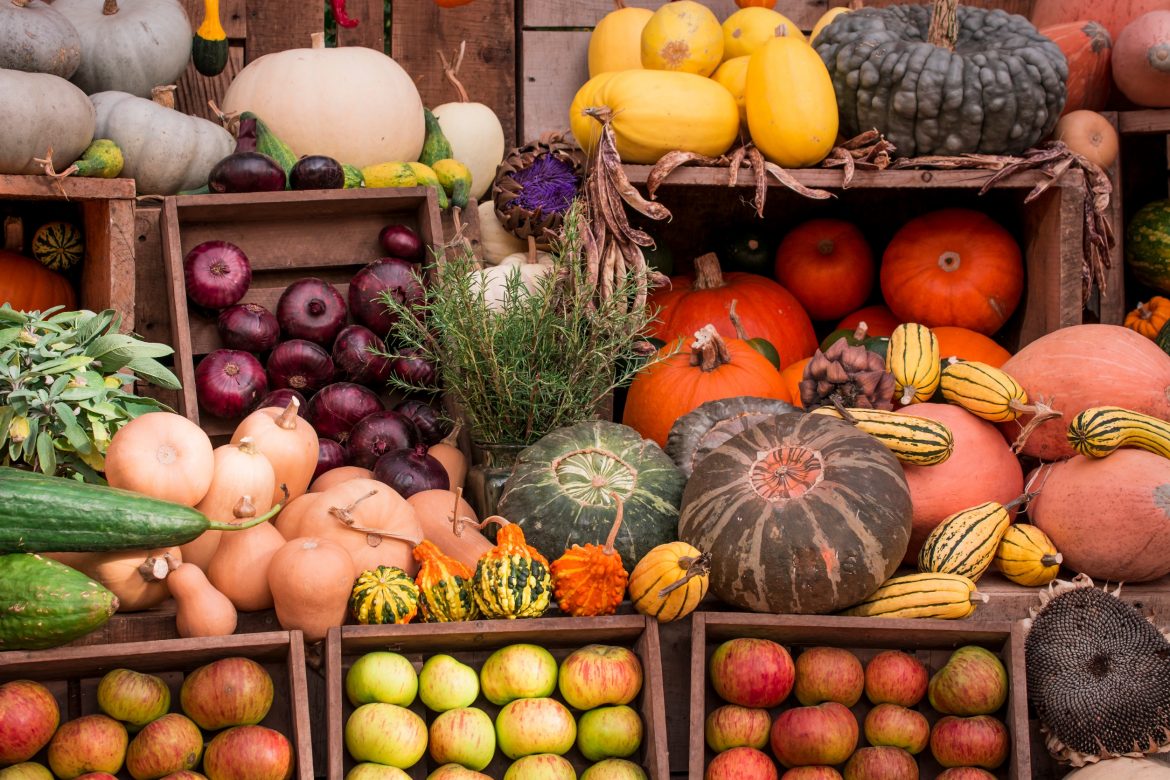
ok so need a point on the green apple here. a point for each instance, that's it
(518, 672)
(386, 734)
(464, 736)
(447, 684)
(614, 769)
(609, 732)
(133, 698)
(369, 771)
(528, 726)
(29, 770)
(383, 677)
(542, 766)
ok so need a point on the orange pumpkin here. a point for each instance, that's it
(755, 3)
(1141, 60)
(953, 267)
(879, 321)
(1114, 15)
(968, 345)
(713, 369)
(792, 374)
(827, 265)
(30, 286)
(1088, 48)
(765, 309)
(1149, 317)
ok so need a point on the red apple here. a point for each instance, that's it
(26, 770)
(133, 698)
(464, 736)
(528, 726)
(752, 672)
(741, 763)
(966, 773)
(734, 726)
(94, 743)
(824, 735)
(900, 727)
(894, 677)
(249, 753)
(228, 692)
(28, 717)
(978, 741)
(973, 682)
(170, 744)
(828, 674)
(881, 763)
(811, 773)
(600, 674)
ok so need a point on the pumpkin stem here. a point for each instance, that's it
(531, 258)
(1144, 312)
(230, 121)
(451, 71)
(736, 322)
(164, 96)
(842, 410)
(20, 3)
(46, 164)
(244, 508)
(708, 274)
(944, 24)
(288, 418)
(172, 564)
(696, 567)
(861, 332)
(109, 7)
(979, 598)
(247, 446)
(1041, 413)
(452, 440)
(1050, 559)
(345, 513)
(709, 351)
(619, 4)
(215, 525)
(317, 40)
(617, 523)
(155, 569)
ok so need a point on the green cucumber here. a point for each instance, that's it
(46, 604)
(267, 143)
(436, 146)
(51, 514)
(353, 176)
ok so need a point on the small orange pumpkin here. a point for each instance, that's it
(1149, 317)
(591, 580)
(792, 375)
(878, 319)
(827, 265)
(970, 346)
(30, 286)
(756, 3)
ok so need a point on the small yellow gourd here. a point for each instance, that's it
(670, 581)
(966, 542)
(1026, 556)
(928, 595)
(1102, 430)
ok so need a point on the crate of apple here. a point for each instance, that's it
(782, 701)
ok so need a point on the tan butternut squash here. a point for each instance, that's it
(161, 455)
(240, 470)
(200, 609)
(454, 461)
(137, 577)
(289, 443)
(337, 476)
(310, 580)
(239, 569)
(437, 511)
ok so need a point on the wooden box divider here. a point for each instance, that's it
(931, 641)
(72, 673)
(472, 642)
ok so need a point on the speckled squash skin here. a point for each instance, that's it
(44, 603)
(36, 38)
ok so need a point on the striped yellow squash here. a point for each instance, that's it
(912, 358)
(930, 595)
(983, 390)
(965, 543)
(1026, 556)
(1099, 431)
(914, 440)
(670, 581)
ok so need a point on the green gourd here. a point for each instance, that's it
(209, 47)
(436, 146)
(44, 603)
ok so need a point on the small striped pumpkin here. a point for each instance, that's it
(58, 245)
(511, 580)
(444, 586)
(670, 581)
(924, 595)
(386, 594)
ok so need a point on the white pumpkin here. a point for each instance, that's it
(1153, 768)
(494, 280)
(129, 45)
(36, 38)
(38, 111)
(473, 129)
(496, 242)
(165, 151)
(351, 103)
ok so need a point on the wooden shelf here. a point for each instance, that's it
(834, 179)
(1154, 120)
(42, 187)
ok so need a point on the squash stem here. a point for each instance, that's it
(696, 567)
(20, 3)
(164, 96)
(1041, 413)
(109, 7)
(1050, 559)
(708, 274)
(709, 351)
(288, 418)
(451, 71)
(736, 322)
(944, 24)
(215, 525)
(617, 523)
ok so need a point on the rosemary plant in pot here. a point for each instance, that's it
(522, 354)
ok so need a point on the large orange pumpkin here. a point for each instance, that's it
(878, 319)
(1083, 366)
(766, 310)
(827, 265)
(711, 370)
(969, 345)
(981, 468)
(953, 267)
(30, 286)
(1115, 15)
(1087, 46)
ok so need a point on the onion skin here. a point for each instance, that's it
(316, 172)
(411, 471)
(217, 274)
(248, 326)
(247, 172)
(311, 309)
(413, 369)
(331, 455)
(301, 365)
(336, 408)
(354, 360)
(401, 241)
(366, 287)
(431, 424)
(229, 383)
(377, 434)
(282, 398)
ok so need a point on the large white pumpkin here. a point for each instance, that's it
(353, 104)
(39, 110)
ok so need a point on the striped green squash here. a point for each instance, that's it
(965, 543)
(512, 580)
(444, 586)
(386, 594)
(1101, 430)
(1147, 245)
(58, 245)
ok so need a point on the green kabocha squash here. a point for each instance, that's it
(386, 594)
(970, 80)
(560, 490)
(58, 245)
(444, 586)
(511, 580)
(1147, 245)
(209, 47)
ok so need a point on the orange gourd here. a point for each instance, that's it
(239, 568)
(310, 580)
(496, 588)
(953, 267)
(29, 286)
(161, 455)
(968, 345)
(240, 470)
(450, 523)
(289, 443)
(200, 609)
(792, 375)
(827, 265)
(1149, 317)
(1088, 48)
(454, 461)
(713, 369)
(444, 586)
(337, 476)
(878, 319)
(590, 580)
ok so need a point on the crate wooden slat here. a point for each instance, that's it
(586, 13)
(931, 640)
(471, 643)
(72, 673)
(1153, 120)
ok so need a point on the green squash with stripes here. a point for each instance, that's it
(1147, 245)
(512, 580)
(386, 594)
(560, 491)
(58, 245)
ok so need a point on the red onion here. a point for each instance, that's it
(248, 326)
(336, 408)
(330, 455)
(229, 382)
(355, 358)
(401, 241)
(311, 309)
(414, 369)
(377, 434)
(282, 398)
(217, 274)
(411, 471)
(365, 292)
(301, 365)
(431, 424)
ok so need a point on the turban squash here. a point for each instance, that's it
(998, 90)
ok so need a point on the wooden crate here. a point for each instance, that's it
(330, 234)
(472, 643)
(104, 208)
(932, 641)
(73, 673)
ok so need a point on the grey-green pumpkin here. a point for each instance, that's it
(36, 38)
(39, 111)
(560, 490)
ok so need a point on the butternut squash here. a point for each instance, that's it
(161, 455)
(337, 476)
(454, 461)
(239, 470)
(310, 580)
(437, 511)
(137, 577)
(239, 569)
(791, 105)
(289, 443)
(200, 609)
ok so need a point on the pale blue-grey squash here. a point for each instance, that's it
(39, 111)
(37, 38)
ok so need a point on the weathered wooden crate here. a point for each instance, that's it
(72, 674)
(330, 234)
(931, 641)
(104, 209)
(472, 643)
